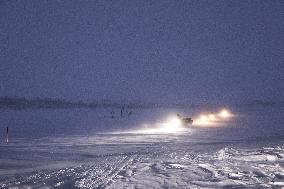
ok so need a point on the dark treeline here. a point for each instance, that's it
(42, 103)
(23, 103)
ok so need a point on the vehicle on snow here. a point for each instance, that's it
(185, 121)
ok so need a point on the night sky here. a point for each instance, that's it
(155, 51)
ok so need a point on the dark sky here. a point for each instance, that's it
(165, 51)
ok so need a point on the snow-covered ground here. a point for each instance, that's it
(87, 149)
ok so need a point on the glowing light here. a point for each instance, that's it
(225, 113)
(202, 120)
(212, 117)
(172, 125)
(174, 122)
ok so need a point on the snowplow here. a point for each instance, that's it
(185, 121)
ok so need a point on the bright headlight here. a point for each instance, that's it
(224, 113)
(174, 122)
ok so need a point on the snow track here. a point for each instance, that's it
(97, 175)
(187, 169)
(142, 165)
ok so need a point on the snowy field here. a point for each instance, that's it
(84, 148)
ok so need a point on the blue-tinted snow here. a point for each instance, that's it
(85, 148)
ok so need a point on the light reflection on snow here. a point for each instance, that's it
(161, 130)
(171, 125)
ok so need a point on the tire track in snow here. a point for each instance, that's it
(114, 173)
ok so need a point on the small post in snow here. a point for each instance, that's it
(7, 135)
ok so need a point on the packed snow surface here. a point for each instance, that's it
(245, 153)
